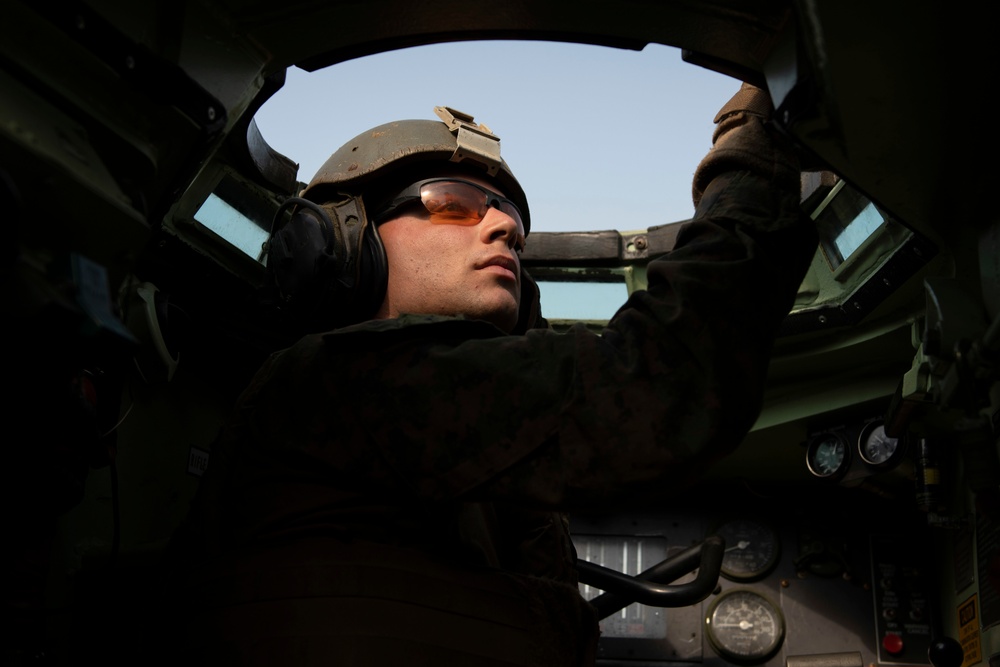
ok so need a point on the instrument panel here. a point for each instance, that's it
(808, 573)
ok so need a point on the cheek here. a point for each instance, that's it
(411, 270)
(419, 255)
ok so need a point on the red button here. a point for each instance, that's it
(892, 643)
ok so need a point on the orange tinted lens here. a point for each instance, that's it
(455, 203)
(511, 210)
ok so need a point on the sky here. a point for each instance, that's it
(599, 138)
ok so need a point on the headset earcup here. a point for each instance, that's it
(298, 253)
(328, 263)
(373, 275)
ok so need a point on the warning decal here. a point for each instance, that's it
(968, 632)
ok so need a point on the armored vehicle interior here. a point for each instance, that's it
(859, 521)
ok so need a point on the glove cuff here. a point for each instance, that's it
(748, 98)
(742, 142)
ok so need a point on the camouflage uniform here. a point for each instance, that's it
(393, 492)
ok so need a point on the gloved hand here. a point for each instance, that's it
(742, 141)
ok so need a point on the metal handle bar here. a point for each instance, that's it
(647, 587)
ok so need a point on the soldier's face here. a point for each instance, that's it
(439, 268)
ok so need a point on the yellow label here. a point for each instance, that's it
(968, 632)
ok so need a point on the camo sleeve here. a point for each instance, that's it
(444, 408)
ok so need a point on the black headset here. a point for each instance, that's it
(326, 262)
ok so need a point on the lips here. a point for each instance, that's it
(503, 263)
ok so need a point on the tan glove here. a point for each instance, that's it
(741, 141)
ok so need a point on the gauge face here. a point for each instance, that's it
(752, 549)
(875, 447)
(744, 626)
(827, 455)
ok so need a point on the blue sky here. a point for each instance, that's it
(599, 138)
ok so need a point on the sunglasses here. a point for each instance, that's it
(453, 201)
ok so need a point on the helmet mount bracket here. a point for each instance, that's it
(476, 143)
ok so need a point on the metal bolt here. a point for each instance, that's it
(640, 242)
(211, 113)
(822, 319)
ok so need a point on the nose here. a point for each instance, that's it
(497, 225)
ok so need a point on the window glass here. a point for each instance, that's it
(240, 214)
(859, 229)
(231, 225)
(845, 220)
(578, 300)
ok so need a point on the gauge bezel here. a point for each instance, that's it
(892, 461)
(757, 656)
(761, 571)
(814, 443)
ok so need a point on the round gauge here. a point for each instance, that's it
(744, 626)
(827, 455)
(752, 549)
(876, 448)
